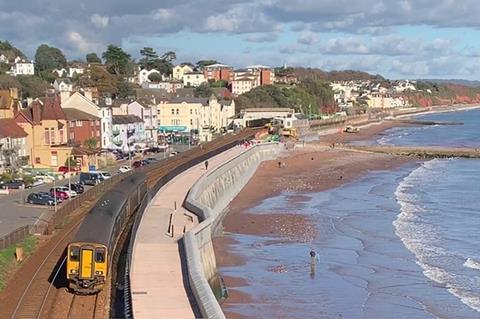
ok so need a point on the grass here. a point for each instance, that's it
(8, 263)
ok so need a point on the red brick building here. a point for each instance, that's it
(82, 126)
(217, 72)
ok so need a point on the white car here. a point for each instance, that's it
(105, 175)
(124, 169)
(71, 193)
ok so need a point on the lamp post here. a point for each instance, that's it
(54, 196)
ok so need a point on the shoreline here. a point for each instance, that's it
(315, 168)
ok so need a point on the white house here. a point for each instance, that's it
(180, 70)
(3, 59)
(143, 75)
(60, 72)
(193, 79)
(63, 85)
(170, 87)
(242, 85)
(22, 67)
(148, 114)
(128, 132)
(75, 70)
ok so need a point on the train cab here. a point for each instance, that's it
(86, 267)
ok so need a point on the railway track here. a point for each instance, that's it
(46, 295)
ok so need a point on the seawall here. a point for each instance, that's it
(208, 199)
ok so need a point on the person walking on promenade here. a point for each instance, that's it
(313, 263)
(206, 165)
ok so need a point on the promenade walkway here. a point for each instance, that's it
(157, 281)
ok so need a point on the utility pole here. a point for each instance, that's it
(69, 175)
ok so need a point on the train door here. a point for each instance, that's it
(86, 262)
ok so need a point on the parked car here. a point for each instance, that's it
(90, 178)
(104, 175)
(124, 169)
(47, 194)
(15, 184)
(70, 192)
(66, 169)
(137, 164)
(40, 199)
(59, 194)
(79, 189)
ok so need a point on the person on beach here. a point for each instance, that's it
(279, 164)
(206, 165)
(313, 263)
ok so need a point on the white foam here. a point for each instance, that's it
(472, 264)
(421, 237)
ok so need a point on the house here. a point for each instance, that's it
(243, 84)
(63, 85)
(286, 78)
(264, 74)
(217, 72)
(3, 59)
(22, 67)
(102, 110)
(46, 126)
(180, 70)
(193, 79)
(195, 117)
(9, 100)
(60, 72)
(148, 114)
(169, 86)
(75, 70)
(128, 132)
(144, 74)
(82, 127)
(13, 144)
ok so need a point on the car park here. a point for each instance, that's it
(79, 189)
(40, 199)
(90, 178)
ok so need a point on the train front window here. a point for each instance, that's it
(74, 253)
(100, 255)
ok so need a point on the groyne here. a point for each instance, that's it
(415, 151)
(208, 199)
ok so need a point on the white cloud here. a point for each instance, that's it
(308, 38)
(99, 21)
(80, 43)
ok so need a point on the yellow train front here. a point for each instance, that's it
(87, 267)
(89, 255)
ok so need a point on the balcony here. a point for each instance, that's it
(116, 132)
(118, 143)
(130, 132)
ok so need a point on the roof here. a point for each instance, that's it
(193, 73)
(9, 128)
(75, 114)
(49, 110)
(217, 65)
(244, 78)
(271, 109)
(200, 100)
(125, 119)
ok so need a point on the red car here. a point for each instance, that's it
(65, 169)
(137, 164)
(59, 194)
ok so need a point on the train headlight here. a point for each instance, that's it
(73, 271)
(99, 273)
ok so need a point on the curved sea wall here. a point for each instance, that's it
(208, 199)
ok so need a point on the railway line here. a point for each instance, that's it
(46, 294)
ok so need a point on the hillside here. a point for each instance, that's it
(443, 94)
(8, 50)
(347, 75)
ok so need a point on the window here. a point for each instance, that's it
(72, 136)
(104, 129)
(173, 111)
(37, 160)
(191, 111)
(74, 253)
(47, 136)
(52, 136)
(79, 123)
(98, 133)
(71, 124)
(97, 123)
(100, 255)
(178, 111)
(191, 122)
(61, 136)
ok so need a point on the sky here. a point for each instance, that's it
(397, 39)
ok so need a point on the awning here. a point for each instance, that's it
(172, 128)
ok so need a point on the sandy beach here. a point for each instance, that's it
(316, 167)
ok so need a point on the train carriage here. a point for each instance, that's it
(90, 253)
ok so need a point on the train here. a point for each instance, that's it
(89, 255)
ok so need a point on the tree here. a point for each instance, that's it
(218, 84)
(4, 68)
(48, 58)
(91, 143)
(149, 58)
(116, 60)
(155, 77)
(33, 86)
(125, 90)
(11, 52)
(203, 63)
(8, 82)
(97, 76)
(169, 56)
(203, 90)
(93, 58)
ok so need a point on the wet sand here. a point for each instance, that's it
(317, 167)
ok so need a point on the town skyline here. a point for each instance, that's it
(396, 40)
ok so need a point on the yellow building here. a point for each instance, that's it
(8, 103)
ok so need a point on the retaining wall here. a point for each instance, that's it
(208, 198)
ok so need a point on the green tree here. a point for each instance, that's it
(97, 76)
(93, 58)
(48, 58)
(11, 52)
(91, 143)
(169, 57)
(218, 84)
(8, 81)
(116, 59)
(125, 90)
(203, 90)
(203, 63)
(155, 77)
(149, 58)
(4, 68)
(33, 86)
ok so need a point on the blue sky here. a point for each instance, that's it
(398, 39)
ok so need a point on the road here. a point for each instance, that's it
(14, 213)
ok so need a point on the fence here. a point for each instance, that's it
(14, 237)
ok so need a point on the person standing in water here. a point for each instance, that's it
(313, 263)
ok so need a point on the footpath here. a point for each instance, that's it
(157, 279)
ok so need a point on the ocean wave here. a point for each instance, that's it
(421, 237)
(472, 264)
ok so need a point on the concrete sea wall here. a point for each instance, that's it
(208, 198)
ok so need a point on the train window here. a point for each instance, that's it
(100, 255)
(74, 253)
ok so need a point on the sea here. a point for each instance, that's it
(403, 243)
